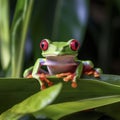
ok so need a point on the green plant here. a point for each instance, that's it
(13, 38)
(92, 99)
(92, 96)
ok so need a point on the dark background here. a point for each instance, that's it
(100, 42)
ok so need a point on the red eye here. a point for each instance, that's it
(44, 45)
(74, 45)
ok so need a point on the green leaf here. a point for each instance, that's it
(87, 88)
(32, 104)
(56, 111)
(17, 90)
(112, 110)
(83, 115)
(18, 34)
(13, 91)
(4, 34)
(113, 79)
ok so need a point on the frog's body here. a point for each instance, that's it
(60, 64)
(60, 60)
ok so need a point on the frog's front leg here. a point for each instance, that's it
(72, 76)
(38, 73)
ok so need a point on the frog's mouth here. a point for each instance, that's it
(60, 60)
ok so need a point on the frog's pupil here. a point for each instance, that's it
(76, 45)
(42, 45)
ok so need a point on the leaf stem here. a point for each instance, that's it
(18, 56)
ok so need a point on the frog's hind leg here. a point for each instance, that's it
(89, 69)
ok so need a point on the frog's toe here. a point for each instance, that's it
(29, 76)
(71, 78)
(89, 72)
(68, 78)
(61, 75)
(96, 74)
(43, 78)
(74, 84)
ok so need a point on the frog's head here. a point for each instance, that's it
(50, 48)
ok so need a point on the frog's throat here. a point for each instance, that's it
(60, 60)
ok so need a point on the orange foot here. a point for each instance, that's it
(93, 72)
(68, 77)
(43, 79)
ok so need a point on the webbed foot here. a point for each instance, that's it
(68, 77)
(43, 80)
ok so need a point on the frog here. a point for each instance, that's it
(60, 60)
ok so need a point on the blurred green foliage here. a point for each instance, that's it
(94, 23)
(24, 23)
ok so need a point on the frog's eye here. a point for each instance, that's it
(44, 44)
(74, 45)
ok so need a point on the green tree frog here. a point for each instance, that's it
(60, 59)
